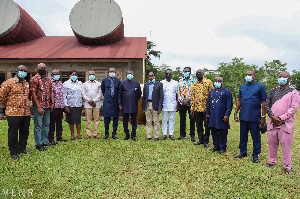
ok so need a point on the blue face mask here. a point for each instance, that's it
(282, 80)
(153, 81)
(92, 77)
(186, 74)
(129, 76)
(217, 84)
(74, 78)
(56, 77)
(248, 78)
(22, 74)
(112, 75)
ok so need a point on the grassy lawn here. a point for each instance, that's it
(146, 169)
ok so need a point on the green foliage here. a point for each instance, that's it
(296, 79)
(146, 169)
(210, 74)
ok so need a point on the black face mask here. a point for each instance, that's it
(199, 76)
(42, 72)
(168, 77)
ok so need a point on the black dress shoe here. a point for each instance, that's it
(41, 148)
(62, 140)
(213, 149)
(181, 138)
(134, 138)
(193, 139)
(198, 143)
(205, 145)
(221, 151)
(126, 138)
(240, 156)
(47, 144)
(255, 160)
(15, 157)
(114, 137)
(53, 142)
(24, 151)
(105, 137)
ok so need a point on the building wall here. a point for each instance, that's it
(100, 68)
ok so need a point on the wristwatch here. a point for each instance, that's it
(263, 116)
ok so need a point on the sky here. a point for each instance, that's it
(197, 33)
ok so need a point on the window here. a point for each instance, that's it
(2, 77)
(64, 76)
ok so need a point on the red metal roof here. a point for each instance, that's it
(68, 47)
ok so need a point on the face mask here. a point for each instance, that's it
(129, 76)
(22, 74)
(168, 76)
(92, 77)
(186, 74)
(56, 77)
(74, 78)
(282, 80)
(217, 84)
(199, 76)
(42, 72)
(112, 75)
(152, 81)
(248, 78)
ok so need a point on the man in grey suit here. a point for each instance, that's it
(152, 105)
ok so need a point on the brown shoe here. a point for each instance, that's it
(87, 137)
(163, 137)
(156, 139)
(171, 137)
(97, 137)
(148, 138)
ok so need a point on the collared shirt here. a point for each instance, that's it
(72, 93)
(91, 90)
(199, 94)
(43, 88)
(57, 87)
(252, 96)
(151, 86)
(170, 91)
(184, 89)
(15, 95)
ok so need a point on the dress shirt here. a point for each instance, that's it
(199, 94)
(170, 91)
(57, 87)
(151, 85)
(91, 90)
(72, 93)
(43, 88)
(184, 89)
(15, 95)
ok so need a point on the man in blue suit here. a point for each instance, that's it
(153, 96)
(110, 89)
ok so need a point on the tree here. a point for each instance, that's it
(295, 82)
(210, 74)
(151, 53)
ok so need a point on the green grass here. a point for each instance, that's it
(146, 169)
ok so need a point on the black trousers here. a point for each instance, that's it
(115, 125)
(133, 124)
(56, 117)
(17, 124)
(182, 114)
(200, 118)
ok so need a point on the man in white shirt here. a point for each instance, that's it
(169, 105)
(91, 91)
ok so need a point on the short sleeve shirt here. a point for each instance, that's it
(43, 88)
(252, 95)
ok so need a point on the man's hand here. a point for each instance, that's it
(276, 120)
(236, 119)
(225, 119)
(91, 102)
(185, 102)
(263, 121)
(40, 111)
(52, 107)
(67, 110)
(121, 109)
(207, 116)
(192, 113)
(159, 111)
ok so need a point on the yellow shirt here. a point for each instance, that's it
(199, 94)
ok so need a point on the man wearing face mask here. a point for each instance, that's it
(43, 104)
(251, 101)
(129, 95)
(91, 92)
(56, 115)
(184, 103)
(110, 89)
(218, 109)
(169, 105)
(281, 105)
(14, 94)
(199, 94)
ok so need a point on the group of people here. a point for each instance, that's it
(207, 103)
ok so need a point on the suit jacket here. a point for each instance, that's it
(157, 96)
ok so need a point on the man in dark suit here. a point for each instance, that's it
(152, 105)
